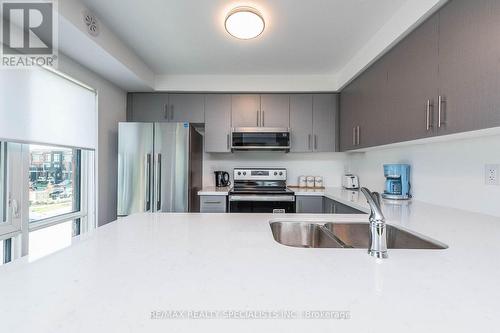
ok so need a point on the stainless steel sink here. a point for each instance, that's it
(298, 234)
(346, 235)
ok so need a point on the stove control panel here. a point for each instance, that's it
(259, 174)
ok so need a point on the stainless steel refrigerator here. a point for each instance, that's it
(159, 168)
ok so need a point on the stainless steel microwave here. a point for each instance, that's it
(260, 139)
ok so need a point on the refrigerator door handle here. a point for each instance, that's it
(147, 162)
(158, 182)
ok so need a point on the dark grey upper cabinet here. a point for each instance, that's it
(350, 115)
(275, 110)
(217, 123)
(301, 123)
(246, 110)
(443, 78)
(149, 107)
(163, 107)
(186, 107)
(325, 111)
(371, 124)
(413, 84)
(469, 70)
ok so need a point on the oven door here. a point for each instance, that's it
(275, 139)
(248, 203)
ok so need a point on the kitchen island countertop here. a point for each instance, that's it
(116, 278)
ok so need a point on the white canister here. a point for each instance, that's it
(302, 181)
(318, 181)
(310, 181)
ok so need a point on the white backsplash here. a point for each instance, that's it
(449, 173)
(443, 173)
(328, 165)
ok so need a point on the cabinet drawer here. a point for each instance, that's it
(213, 204)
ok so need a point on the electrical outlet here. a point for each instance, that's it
(491, 174)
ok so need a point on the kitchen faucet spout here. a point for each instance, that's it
(378, 231)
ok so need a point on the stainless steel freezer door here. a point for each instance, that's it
(135, 167)
(171, 193)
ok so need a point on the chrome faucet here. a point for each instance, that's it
(378, 232)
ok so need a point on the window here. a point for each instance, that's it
(5, 251)
(48, 240)
(47, 193)
(54, 182)
(3, 186)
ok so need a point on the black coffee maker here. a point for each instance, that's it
(222, 179)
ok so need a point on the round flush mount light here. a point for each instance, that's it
(244, 23)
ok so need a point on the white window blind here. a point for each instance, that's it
(39, 106)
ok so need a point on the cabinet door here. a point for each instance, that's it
(309, 204)
(245, 110)
(469, 70)
(213, 204)
(275, 110)
(149, 107)
(187, 108)
(217, 123)
(328, 206)
(301, 123)
(334, 207)
(372, 121)
(350, 108)
(412, 80)
(325, 107)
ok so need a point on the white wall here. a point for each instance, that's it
(328, 165)
(443, 173)
(111, 110)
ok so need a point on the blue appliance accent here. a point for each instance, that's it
(397, 181)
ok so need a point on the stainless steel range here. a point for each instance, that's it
(257, 190)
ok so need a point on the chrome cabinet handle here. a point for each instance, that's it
(358, 141)
(228, 141)
(428, 123)
(263, 119)
(354, 136)
(171, 112)
(213, 202)
(315, 142)
(147, 162)
(309, 142)
(166, 112)
(158, 182)
(440, 110)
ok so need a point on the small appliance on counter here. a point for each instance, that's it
(350, 181)
(222, 179)
(397, 182)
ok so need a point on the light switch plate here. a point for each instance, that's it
(491, 174)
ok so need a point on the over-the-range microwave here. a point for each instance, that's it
(260, 139)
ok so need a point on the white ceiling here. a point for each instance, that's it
(302, 37)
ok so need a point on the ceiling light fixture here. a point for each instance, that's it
(244, 23)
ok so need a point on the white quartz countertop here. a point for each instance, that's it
(112, 279)
(213, 190)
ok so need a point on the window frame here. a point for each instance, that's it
(81, 212)
(12, 189)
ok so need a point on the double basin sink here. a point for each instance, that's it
(346, 235)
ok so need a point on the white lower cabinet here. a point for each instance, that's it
(213, 204)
